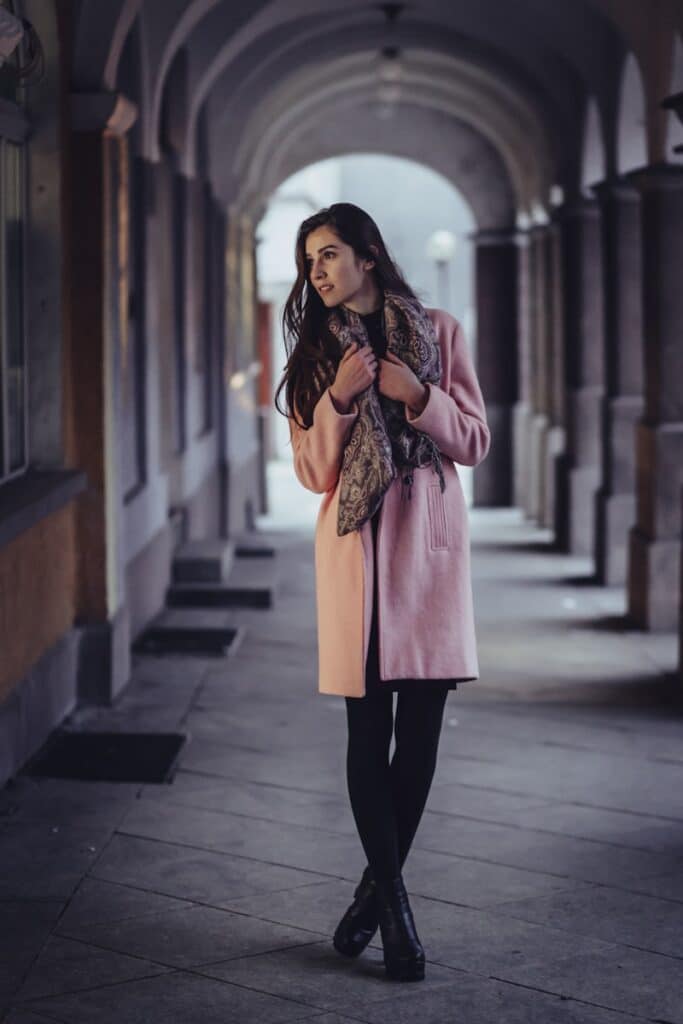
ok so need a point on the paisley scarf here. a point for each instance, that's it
(382, 441)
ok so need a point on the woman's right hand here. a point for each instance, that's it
(356, 371)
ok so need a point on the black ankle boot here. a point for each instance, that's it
(359, 923)
(404, 956)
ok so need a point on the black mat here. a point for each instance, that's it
(108, 756)
(209, 641)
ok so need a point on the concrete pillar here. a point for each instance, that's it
(97, 315)
(655, 540)
(580, 472)
(623, 401)
(496, 300)
(522, 410)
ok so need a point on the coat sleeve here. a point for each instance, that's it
(456, 419)
(318, 451)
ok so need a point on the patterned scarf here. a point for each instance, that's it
(381, 440)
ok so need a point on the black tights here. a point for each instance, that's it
(387, 799)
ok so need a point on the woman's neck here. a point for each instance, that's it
(367, 300)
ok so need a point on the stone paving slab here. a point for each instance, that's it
(25, 926)
(477, 1000)
(204, 876)
(668, 887)
(327, 811)
(67, 966)
(42, 861)
(174, 999)
(478, 883)
(287, 845)
(561, 855)
(613, 915)
(618, 978)
(188, 937)
(315, 975)
(96, 900)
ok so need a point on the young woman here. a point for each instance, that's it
(382, 399)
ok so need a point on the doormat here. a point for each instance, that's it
(108, 756)
(211, 642)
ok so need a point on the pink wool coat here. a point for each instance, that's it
(425, 613)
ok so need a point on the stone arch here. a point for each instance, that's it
(466, 160)
(99, 40)
(632, 149)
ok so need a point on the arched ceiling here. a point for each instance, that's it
(348, 87)
(471, 164)
(508, 118)
(517, 79)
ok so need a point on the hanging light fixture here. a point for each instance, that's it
(389, 66)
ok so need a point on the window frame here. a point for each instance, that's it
(16, 120)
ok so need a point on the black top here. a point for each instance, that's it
(374, 328)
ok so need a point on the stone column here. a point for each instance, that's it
(556, 436)
(623, 401)
(496, 301)
(580, 472)
(539, 371)
(655, 540)
(522, 409)
(97, 316)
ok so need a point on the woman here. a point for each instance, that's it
(382, 399)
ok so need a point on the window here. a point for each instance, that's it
(13, 454)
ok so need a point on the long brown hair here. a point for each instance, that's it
(313, 352)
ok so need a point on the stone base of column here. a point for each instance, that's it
(492, 480)
(555, 445)
(615, 514)
(583, 484)
(521, 417)
(103, 659)
(615, 509)
(537, 434)
(654, 581)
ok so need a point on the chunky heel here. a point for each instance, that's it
(359, 923)
(404, 957)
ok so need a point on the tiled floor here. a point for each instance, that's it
(546, 878)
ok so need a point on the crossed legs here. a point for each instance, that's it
(388, 799)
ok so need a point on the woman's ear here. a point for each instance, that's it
(369, 265)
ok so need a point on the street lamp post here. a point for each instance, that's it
(440, 248)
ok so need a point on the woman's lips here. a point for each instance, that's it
(326, 288)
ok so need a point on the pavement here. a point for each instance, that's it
(546, 878)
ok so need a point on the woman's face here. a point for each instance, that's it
(334, 270)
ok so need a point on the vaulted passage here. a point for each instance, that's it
(156, 159)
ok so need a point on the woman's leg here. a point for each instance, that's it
(419, 718)
(370, 723)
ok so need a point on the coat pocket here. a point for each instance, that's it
(438, 524)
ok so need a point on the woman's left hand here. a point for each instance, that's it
(396, 380)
